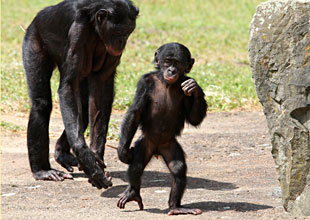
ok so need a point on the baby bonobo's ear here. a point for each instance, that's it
(190, 65)
(156, 60)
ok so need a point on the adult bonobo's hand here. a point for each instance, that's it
(190, 87)
(93, 168)
(125, 155)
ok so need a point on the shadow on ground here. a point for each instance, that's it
(213, 206)
(219, 206)
(161, 179)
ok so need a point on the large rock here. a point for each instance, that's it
(279, 52)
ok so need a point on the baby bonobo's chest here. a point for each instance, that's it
(166, 100)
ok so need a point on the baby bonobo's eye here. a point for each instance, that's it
(167, 62)
(170, 62)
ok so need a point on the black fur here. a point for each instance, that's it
(85, 40)
(165, 99)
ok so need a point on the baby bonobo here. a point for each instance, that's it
(164, 100)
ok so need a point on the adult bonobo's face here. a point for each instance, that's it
(115, 24)
(173, 60)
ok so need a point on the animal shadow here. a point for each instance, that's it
(218, 206)
(161, 179)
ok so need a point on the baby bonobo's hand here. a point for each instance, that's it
(190, 87)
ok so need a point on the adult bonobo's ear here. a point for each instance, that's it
(190, 65)
(156, 60)
(102, 15)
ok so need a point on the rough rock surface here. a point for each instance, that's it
(279, 52)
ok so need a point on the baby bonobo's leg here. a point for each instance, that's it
(135, 170)
(175, 160)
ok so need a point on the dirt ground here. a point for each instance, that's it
(231, 175)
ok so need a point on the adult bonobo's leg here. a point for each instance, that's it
(62, 149)
(101, 99)
(39, 67)
(175, 160)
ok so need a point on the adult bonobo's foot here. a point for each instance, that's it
(66, 160)
(129, 195)
(184, 211)
(54, 175)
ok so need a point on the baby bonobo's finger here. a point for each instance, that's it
(186, 91)
(191, 90)
(183, 83)
(187, 82)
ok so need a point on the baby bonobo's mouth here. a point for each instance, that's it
(171, 79)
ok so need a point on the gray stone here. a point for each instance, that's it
(276, 192)
(279, 52)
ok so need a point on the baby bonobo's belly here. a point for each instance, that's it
(164, 124)
(165, 109)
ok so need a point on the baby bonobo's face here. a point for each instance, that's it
(172, 70)
(174, 60)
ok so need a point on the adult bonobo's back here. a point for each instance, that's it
(85, 40)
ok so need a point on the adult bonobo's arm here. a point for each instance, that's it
(131, 121)
(69, 86)
(195, 104)
(71, 107)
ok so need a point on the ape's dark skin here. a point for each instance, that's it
(85, 40)
(164, 100)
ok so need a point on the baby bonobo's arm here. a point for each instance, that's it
(131, 122)
(195, 104)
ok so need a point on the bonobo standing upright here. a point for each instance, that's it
(85, 40)
(164, 100)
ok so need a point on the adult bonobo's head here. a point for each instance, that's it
(114, 21)
(173, 60)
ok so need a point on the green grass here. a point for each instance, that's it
(216, 32)
(11, 127)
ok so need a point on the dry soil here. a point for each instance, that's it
(231, 175)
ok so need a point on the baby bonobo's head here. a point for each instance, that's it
(173, 60)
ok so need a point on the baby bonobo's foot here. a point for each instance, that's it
(66, 160)
(129, 195)
(54, 175)
(184, 211)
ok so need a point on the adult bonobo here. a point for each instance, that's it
(85, 40)
(164, 100)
